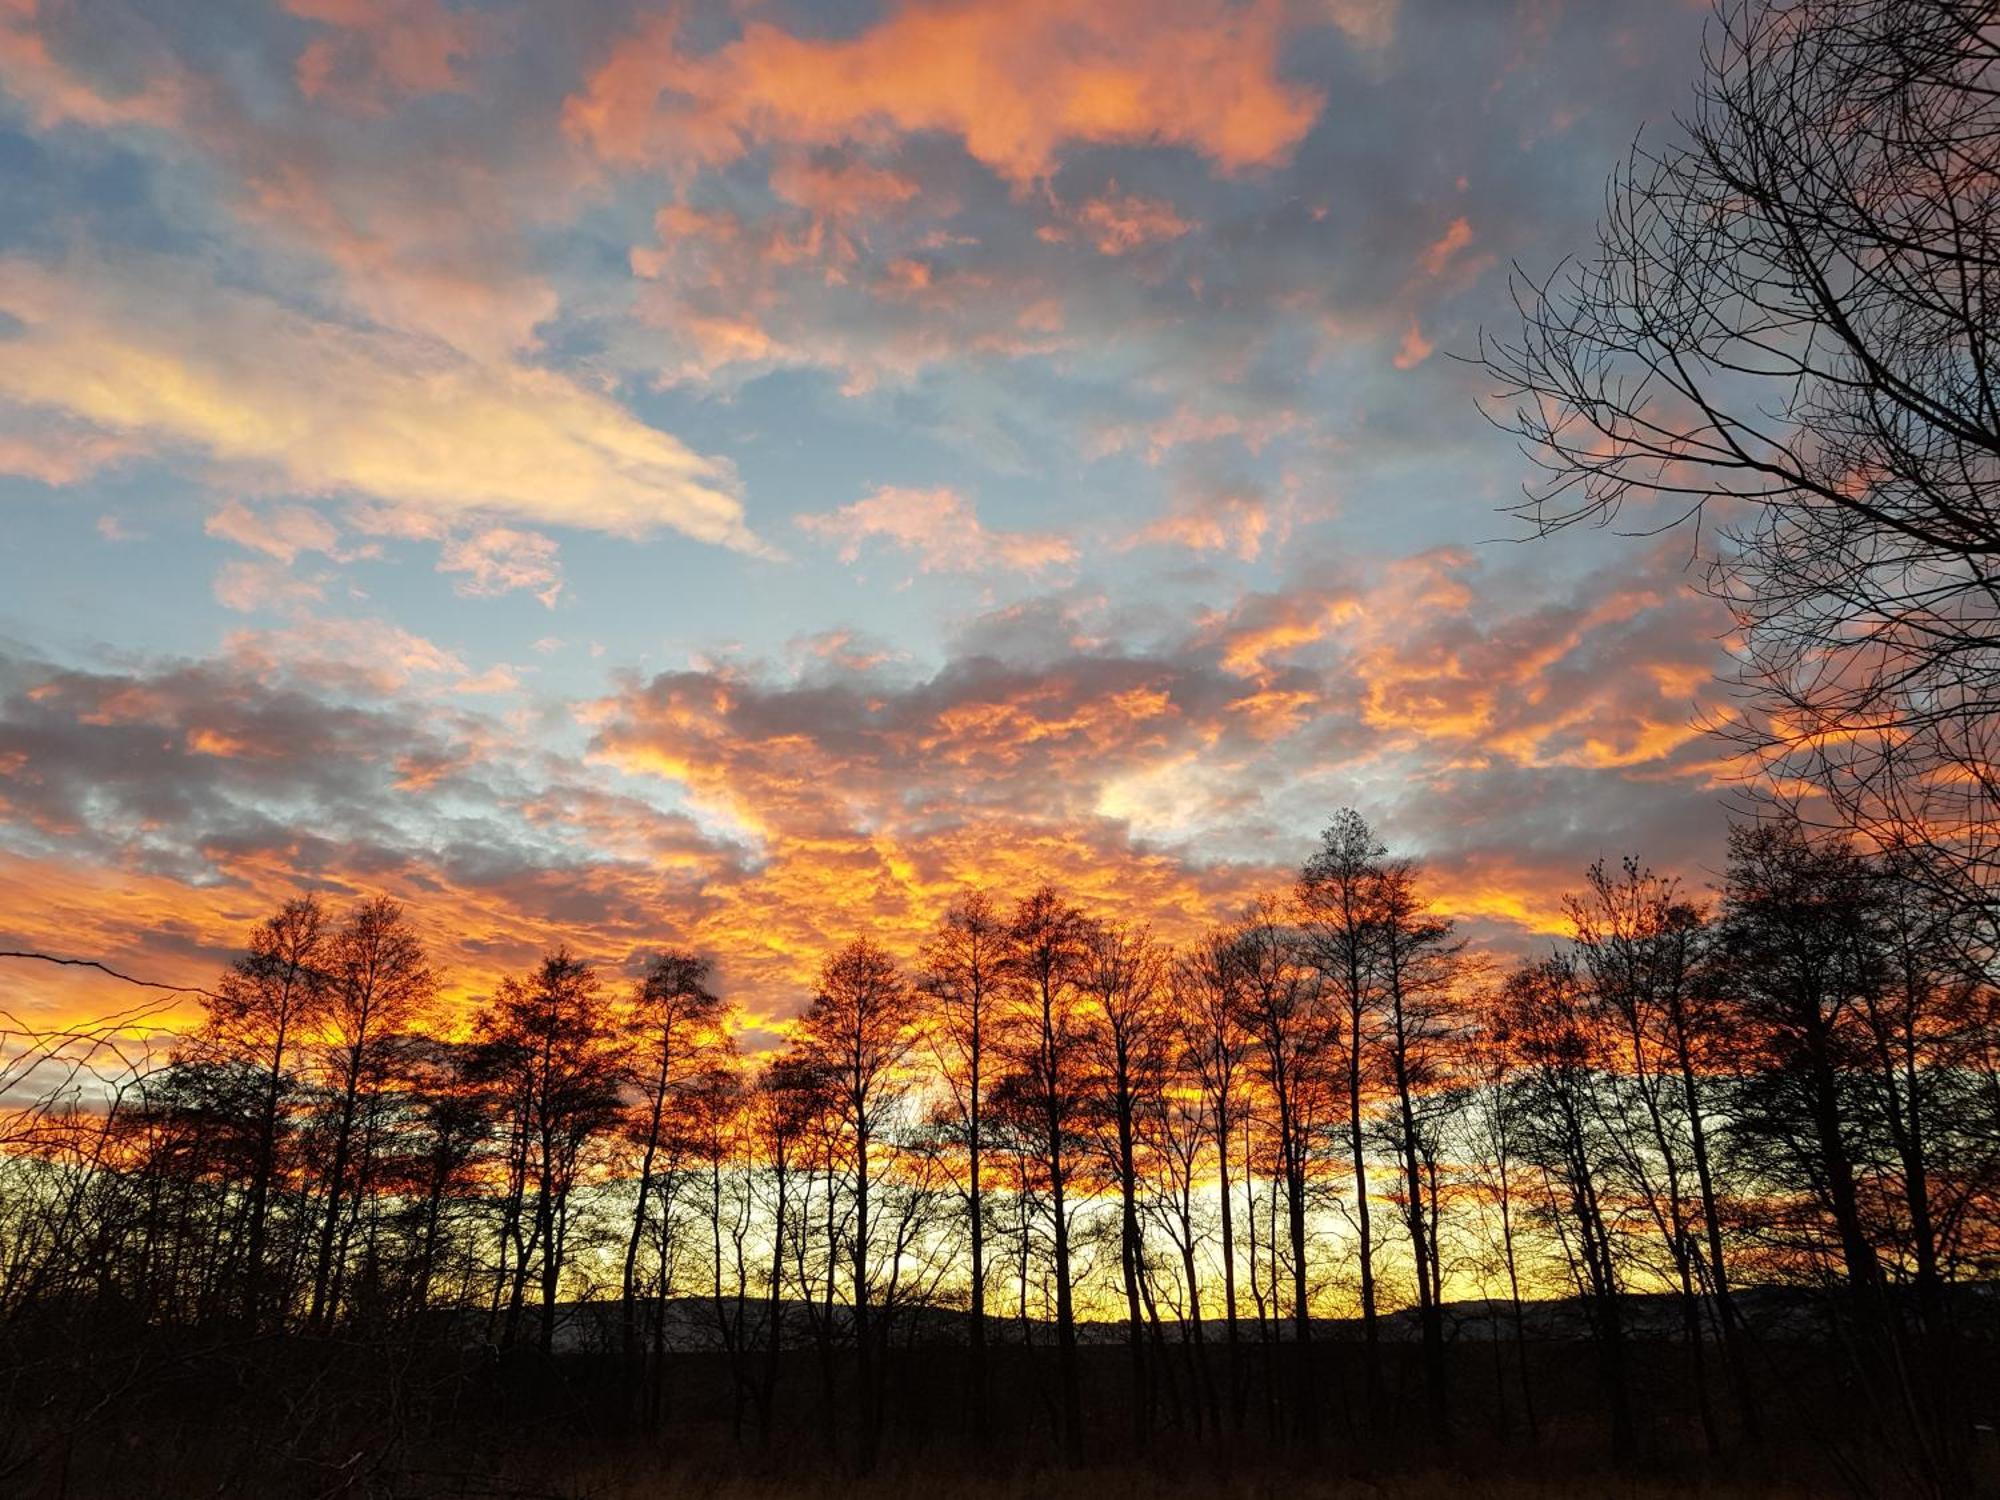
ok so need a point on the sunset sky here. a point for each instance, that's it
(730, 473)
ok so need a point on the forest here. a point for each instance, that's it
(1316, 1175)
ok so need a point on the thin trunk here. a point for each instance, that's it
(1371, 1336)
(1128, 1246)
(320, 1313)
(976, 1208)
(1231, 1335)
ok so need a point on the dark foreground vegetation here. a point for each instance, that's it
(1056, 1193)
(299, 1417)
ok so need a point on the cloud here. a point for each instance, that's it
(248, 587)
(1120, 223)
(58, 92)
(58, 453)
(941, 528)
(362, 657)
(1212, 518)
(1438, 254)
(1369, 24)
(282, 531)
(380, 51)
(1014, 82)
(153, 810)
(499, 560)
(1414, 349)
(838, 187)
(289, 402)
(1505, 727)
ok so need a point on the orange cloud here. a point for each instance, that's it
(839, 186)
(1439, 254)
(766, 818)
(1366, 23)
(1212, 521)
(1013, 81)
(1119, 223)
(1414, 349)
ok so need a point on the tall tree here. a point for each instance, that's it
(1801, 933)
(1297, 1037)
(1048, 942)
(1127, 1033)
(1644, 950)
(1216, 1050)
(548, 1046)
(1339, 900)
(673, 1030)
(857, 1033)
(963, 973)
(1420, 959)
(260, 1017)
(378, 981)
(791, 1095)
(1543, 1018)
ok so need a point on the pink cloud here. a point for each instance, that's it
(248, 587)
(1414, 349)
(1439, 253)
(282, 531)
(383, 50)
(941, 527)
(499, 560)
(1119, 223)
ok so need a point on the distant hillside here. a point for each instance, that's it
(697, 1324)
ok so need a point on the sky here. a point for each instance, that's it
(732, 474)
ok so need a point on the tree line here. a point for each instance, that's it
(1046, 1130)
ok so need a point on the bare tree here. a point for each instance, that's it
(1127, 1034)
(1297, 1036)
(547, 1046)
(1645, 949)
(857, 1033)
(1216, 1049)
(1799, 930)
(1789, 313)
(1338, 897)
(1543, 1017)
(379, 979)
(963, 974)
(1420, 961)
(672, 1035)
(1048, 943)
(260, 1017)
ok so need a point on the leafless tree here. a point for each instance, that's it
(1127, 1032)
(673, 1037)
(1048, 944)
(260, 1018)
(1338, 897)
(1297, 1036)
(963, 974)
(1787, 320)
(858, 1032)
